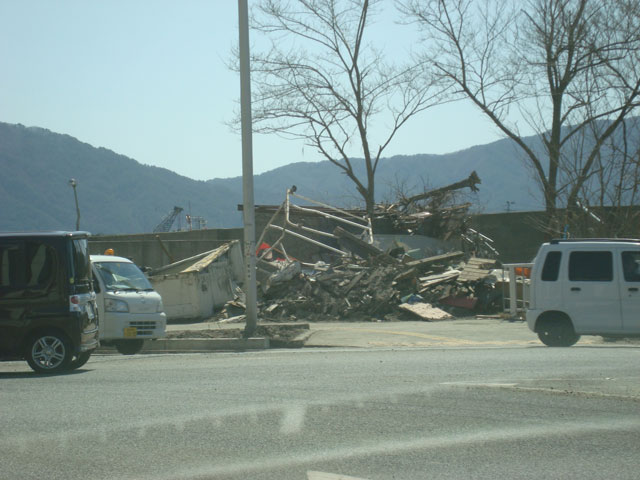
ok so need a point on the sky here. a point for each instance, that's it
(149, 79)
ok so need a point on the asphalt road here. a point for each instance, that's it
(411, 413)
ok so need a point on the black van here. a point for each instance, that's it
(48, 313)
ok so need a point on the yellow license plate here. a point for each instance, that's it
(130, 332)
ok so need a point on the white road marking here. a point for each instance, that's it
(311, 475)
(293, 419)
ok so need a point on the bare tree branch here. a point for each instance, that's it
(567, 65)
(318, 78)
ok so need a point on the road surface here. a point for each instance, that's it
(381, 413)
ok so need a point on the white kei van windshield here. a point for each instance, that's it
(122, 276)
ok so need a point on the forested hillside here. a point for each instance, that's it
(119, 195)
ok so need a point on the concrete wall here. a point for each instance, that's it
(146, 250)
(516, 235)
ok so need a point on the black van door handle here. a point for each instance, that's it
(575, 289)
(633, 289)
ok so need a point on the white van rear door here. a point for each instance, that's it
(630, 290)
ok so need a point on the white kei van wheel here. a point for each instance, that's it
(129, 347)
(557, 332)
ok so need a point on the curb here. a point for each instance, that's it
(179, 345)
(296, 342)
(206, 344)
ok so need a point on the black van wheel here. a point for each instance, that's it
(557, 332)
(129, 347)
(80, 360)
(49, 352)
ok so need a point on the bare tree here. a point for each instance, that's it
(608, 204)
(320, 79)
(566, 67)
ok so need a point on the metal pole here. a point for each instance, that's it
(513, 293)
(73, 184)
(247, 172)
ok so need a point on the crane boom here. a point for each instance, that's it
(167, 222)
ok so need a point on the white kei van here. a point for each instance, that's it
(130, 310)
(585, 287)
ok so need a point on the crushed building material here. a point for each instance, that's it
(348, 276)
(359, 247)
(359, 289)
(467, 303)
(445, 258)
(436, 279)
(477, 269)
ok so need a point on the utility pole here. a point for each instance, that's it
(73, 184)
(247, 172)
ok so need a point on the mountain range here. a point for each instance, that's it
(117, 194)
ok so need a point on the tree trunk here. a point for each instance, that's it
(369, 200)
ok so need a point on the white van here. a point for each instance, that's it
(130, 310)
(585, 287)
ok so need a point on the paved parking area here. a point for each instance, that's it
(460, 332)
(467, 332)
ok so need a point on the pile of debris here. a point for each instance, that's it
(433, 288)
(432, 212)
(349, 289)
(358, 279)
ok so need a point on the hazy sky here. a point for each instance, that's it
(148, 79)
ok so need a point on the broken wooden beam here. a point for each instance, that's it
(437, 279)
(477, 269)
(405, 275)
(469, 182)
(426, 311)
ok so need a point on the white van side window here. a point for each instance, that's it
(551, 267)
(631, 266)
(591, 266)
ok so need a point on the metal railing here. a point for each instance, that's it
(361, 223)
(518, 300)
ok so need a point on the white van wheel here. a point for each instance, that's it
(557, 332)
(129, 347)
